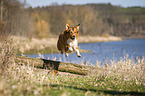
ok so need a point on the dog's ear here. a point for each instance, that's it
(78, 26)
(67, 26)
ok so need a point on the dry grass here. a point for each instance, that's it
(26, 44)
(7, 53)
(88, 39)
(120, 78)
(125, 68)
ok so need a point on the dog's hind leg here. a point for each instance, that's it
(66, 54)
(62, 51)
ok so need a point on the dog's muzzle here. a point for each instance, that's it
(73, 37)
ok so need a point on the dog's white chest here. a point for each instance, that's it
(72, 43)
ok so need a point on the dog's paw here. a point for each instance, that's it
(66, 54)
(79, 56)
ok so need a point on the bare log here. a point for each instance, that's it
(52, 65)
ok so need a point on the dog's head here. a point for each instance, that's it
(71, 32)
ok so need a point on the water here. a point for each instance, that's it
(102, 52)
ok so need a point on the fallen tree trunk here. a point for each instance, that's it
(52, 65)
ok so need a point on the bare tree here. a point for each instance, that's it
(1, 9)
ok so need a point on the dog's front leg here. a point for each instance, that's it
(70, 49)
(77, 52)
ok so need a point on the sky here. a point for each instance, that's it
(122, 3)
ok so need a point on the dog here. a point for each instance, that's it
(68, 41)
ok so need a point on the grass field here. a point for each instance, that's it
(123, 77)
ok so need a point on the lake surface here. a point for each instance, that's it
(102, 52)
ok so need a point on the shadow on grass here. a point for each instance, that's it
(111, 92)
(52, 65)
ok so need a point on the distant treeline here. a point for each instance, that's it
(94, 19)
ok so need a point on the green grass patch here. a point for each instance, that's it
(73, 86)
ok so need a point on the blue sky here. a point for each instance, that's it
(123, 3)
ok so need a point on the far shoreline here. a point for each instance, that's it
(93, 39)
(133, 37)
(48, 45)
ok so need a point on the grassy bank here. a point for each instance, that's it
(118, 79)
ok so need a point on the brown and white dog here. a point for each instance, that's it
(68, 41)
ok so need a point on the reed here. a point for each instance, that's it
(7, 53)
